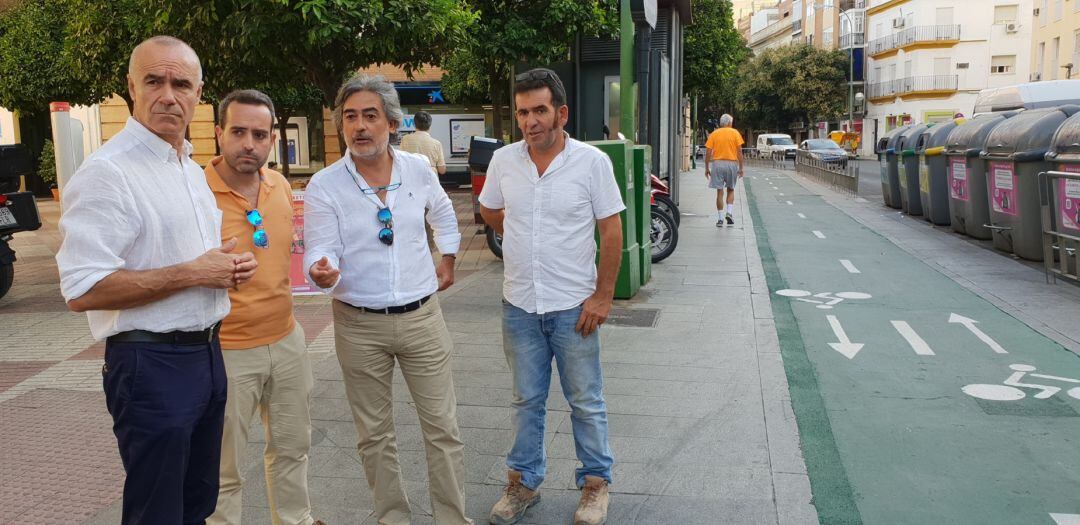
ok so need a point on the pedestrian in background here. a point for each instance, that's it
(724, 167)
(421, 142)
(263, 346)
(546, 195)
(142, 255)
(366, 244)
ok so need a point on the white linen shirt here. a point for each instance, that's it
(340, 224)
(549, 249)
(133, 205)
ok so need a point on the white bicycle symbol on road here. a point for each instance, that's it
(829, 299)
(1010, 389)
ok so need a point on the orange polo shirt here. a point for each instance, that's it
(262, 309)
(725, 143)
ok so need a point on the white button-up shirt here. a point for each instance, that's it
(340, 223)
(549, 250)
(133, 205)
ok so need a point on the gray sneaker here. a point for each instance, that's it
(515, 500)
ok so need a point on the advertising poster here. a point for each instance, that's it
(958, 184)
(300, 285)
(1003, 184)
(1069, 199)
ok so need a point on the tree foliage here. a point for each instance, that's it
(99, 39)
(789, 84)
(714, 50)
(317, 42)
(33, 69)
(512, 31)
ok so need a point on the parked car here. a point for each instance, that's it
(826, 151)
(778, 144)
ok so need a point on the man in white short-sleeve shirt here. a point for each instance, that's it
(546, 195)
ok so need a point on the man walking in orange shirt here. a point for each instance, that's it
(724, 167)
(264, 349)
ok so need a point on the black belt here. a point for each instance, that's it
(402, 309)
(175, 338)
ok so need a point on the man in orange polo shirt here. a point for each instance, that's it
(724, 166)
(263, 346)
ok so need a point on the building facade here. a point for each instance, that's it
(928, 59)
(1055, 44)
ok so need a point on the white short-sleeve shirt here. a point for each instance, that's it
(549, 246)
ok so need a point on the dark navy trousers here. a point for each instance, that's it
(167, 403)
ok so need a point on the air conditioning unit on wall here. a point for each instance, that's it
(1012, 27)
(898, 22)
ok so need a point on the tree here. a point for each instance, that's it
(791, 83)
(99, 39)
(714, 50)
(512, 31)
(318, 42)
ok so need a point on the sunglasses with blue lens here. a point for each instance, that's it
(259, 237)
(386, 234)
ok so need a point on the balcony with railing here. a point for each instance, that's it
(911, 86)
(851, 4)
(852, 40)
(915, 37)
(769, 31)
(796, 26)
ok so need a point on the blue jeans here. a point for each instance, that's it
(530, 341)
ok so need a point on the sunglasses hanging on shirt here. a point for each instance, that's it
(386, 234)
(259, 236)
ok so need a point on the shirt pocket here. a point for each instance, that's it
(569, 202)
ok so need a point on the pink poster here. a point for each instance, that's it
(1003, 188)
(300, 285)
(958, 184)
(1069, 199)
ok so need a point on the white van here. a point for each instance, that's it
(1031, 95)
(770, 144)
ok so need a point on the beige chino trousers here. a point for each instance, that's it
(276, 381)
(368, 344)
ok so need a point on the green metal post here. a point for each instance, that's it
(626, 72)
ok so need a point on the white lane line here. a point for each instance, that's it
(918, 344)
(781, 194)
(848, 266)
(1065, 519)
(789, 203)
(819, 235)
(801, 216)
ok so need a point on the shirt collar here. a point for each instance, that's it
(218, 185)
(161, 149)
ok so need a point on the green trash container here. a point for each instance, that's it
(1015, 152)
(643, 187)
(890, 179)
(968, 201)
(622, 160)
(908, 170)
(933, 179)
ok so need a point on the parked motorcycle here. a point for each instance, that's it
(662, 197)
(663, 221)
(18, 210)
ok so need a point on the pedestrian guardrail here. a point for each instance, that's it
(775, 160)
(1059, 200)
(841, 175)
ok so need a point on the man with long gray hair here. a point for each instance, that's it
(367, 246)
(724, 166)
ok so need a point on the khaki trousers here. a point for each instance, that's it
(367, 346)
(276, 380)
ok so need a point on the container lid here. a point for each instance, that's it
(911, 136)
(889, 139)
(1066, 142)
(969, 137)
(934, 137)
(1027, 136)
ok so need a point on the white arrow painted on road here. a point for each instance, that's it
(845, 346)
(1065, 519)
(918, 344)
(970, 325)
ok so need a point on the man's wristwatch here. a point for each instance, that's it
(450, 255)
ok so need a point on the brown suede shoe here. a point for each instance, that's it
(515, 500)
(592, 510)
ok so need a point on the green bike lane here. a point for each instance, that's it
(879, 347)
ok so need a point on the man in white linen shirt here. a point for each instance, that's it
(365, 241)
(142, 255)
(546, 195)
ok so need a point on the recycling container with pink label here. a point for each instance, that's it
(969, 205)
